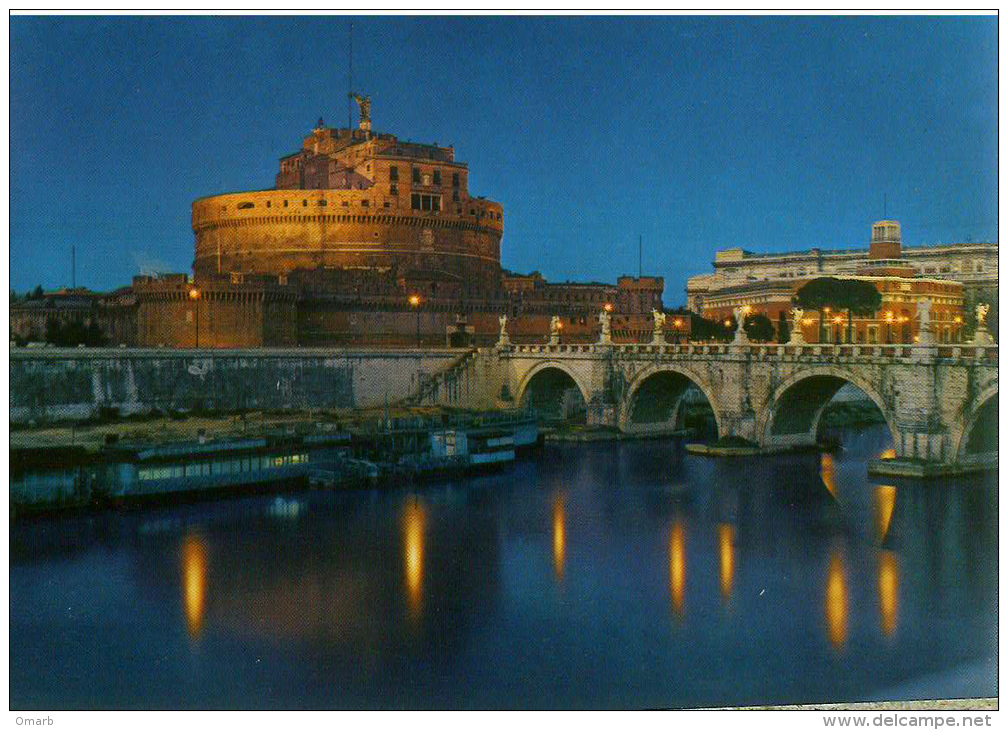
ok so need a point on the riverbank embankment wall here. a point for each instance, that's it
(50, 385)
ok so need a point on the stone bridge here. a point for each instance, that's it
(930, 396)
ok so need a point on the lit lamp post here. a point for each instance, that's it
(195, 296)
(838, 321)
(678, 330)
(958, 321)
(415, 303)
(903, 319)
(889, 321)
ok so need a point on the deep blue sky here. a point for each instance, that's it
(698, 134)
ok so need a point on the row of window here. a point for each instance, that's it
(943, 335)
(387, 219)
(419, 201)
(420, 178)
(221, 466)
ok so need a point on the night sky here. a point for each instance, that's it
(697, 134)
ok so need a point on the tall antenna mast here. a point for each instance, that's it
(349, 96)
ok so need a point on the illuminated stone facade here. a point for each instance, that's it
(905, 277)
(367, 239)
(974, 265)
(355, 201)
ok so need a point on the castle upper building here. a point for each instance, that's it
(353, 199)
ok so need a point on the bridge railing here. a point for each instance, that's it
(763, 350)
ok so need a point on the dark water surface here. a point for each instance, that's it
(608, 575)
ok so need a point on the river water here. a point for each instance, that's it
(584, 576)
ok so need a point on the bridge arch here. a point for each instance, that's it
(982, 408)
(687, 378)
(803, 397)
(542, 369)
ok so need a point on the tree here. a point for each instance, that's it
(818, 294)
(38, 293)
(707, 329)
(53, 331)
(783, 333)
(855, 295)
(858, 297)
(758, 327)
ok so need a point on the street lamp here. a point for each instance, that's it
(415, 303)
(678, 329)
(889, 320)
(194, 294)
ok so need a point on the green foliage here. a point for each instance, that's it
(783, 331)
(73, 333)
(758, 328)
(855, 295)
(38, 293)
(858, 297)
(818, 293)
(702, 329)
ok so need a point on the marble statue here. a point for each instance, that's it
(555, 330)
(605, 322)
(797, 336)
(503, 339)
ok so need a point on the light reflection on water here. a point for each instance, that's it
(818, 559)
(559, 537)
(726, 540)
(888, 588)
(836, 599)
(885, 502)
(194, 578)
(677, 567)
(413, 526)
(827, 469)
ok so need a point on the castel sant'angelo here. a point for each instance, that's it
(366, 239)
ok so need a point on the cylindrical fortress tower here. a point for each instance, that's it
(278, 231)
(351, 199)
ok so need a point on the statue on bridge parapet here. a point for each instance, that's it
(925, 334)
(503, 340)
(555, 327)
(605, 322)
(797, 336)
(740, 334)
(659, 327)
(982, 336)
